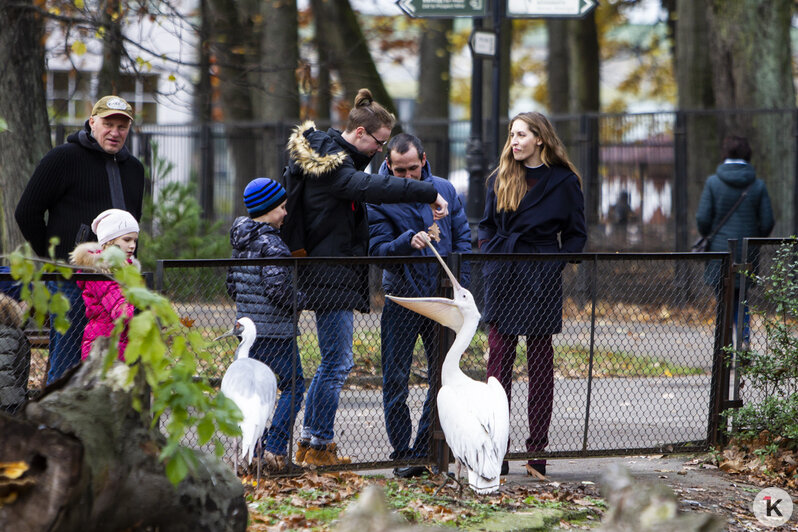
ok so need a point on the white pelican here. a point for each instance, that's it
(474, 416)
(252, 386)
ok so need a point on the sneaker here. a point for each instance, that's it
(302, 447)
(325, 455)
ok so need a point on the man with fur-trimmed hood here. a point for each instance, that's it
(327, 192)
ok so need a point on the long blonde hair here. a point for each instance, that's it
(369, 114)
(510, 182)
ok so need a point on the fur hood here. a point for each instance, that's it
(10, 312)
(310, 160)
(89, 255)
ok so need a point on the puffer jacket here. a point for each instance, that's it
(14, 356)
(262, 293)
(753, 217)
(104, 300)
(392, 227)
(327, 190)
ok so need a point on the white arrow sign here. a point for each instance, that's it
(549, 8)
(407, 6)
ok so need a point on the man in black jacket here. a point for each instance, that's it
(73, 183)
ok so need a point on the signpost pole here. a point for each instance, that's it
(496, 84)
(475, 151)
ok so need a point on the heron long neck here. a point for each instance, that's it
(451, 364)
(243, 348)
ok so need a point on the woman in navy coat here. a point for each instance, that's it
(534, 204)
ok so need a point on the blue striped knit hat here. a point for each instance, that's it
(262, 195)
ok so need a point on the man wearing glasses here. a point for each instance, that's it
(327, 190)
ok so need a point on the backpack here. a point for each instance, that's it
(293, 229)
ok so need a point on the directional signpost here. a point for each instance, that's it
(442, 8)
(549, 8)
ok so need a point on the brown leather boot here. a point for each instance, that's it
(325, 456)
(302, 447)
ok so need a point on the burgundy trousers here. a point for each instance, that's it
(540, 368)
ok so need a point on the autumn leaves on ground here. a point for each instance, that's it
(315, 501)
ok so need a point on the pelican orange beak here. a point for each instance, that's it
(439, 309)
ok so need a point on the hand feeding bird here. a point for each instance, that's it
(252, 386)
(474, 416)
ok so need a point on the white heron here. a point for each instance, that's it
(252, 386)
(474, 416)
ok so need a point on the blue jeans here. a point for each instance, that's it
(334, 329)
(746, 326)
(65, 348)
(400, 328)
(282, 356)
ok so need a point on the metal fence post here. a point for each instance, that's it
(680, 182)
(721, 369)
(440, 450)
(159, 276)
(592, 287)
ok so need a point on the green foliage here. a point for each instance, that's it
(774, 372)
(160, 348)
(178, 231)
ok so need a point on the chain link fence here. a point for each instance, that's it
(750, 308)
(633, 363)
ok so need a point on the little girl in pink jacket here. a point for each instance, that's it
(104, 300)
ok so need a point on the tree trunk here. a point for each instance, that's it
(93, 465)
(236, 44)
(557, 66)
(583, 53)
(752, 69)
(323, 86)
(694, 82)
(108, 78)
(279, 91)
(24, 108)
(203, 111)
(349, 54)
(434, 84)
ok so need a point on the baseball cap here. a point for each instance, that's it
(112, 105)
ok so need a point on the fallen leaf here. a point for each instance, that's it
(13, 470)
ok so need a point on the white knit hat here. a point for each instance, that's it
(113, 223)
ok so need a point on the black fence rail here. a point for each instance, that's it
(637, 366)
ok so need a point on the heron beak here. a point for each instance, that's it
(231, 332)
(439, 309)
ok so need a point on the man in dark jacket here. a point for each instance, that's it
(327, 188)
(403, 229)
(73, 183)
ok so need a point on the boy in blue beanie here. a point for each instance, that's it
(263, 293)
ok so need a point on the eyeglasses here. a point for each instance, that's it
(380, 143)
